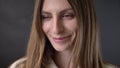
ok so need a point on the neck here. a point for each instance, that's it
(62, 59)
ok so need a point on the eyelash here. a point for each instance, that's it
(63, 16)
(45, 17)
(68, 16)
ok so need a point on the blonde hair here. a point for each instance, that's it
(85, 54)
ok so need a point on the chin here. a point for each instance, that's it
(61, 48)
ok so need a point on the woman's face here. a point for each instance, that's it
(59, 24)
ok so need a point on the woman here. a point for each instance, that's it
(64, 35)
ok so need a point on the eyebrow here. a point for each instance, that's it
(67, 9)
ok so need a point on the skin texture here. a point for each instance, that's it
(59, 25)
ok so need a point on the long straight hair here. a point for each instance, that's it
(85, 53)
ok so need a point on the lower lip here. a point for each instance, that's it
(61, 40)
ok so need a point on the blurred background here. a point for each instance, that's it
(15, 24)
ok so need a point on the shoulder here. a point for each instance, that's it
(108, 65)
(19, 63)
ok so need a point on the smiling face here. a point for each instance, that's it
(59, 24)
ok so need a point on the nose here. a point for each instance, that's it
(57, 25)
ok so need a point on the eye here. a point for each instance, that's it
(46, 17)
(68, 16)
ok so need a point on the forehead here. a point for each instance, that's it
(55, 5)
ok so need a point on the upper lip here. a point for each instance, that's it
(62, 37)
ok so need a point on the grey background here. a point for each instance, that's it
(15, 23)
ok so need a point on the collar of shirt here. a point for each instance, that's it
(53, 65)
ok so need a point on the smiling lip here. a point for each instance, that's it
(61, 39)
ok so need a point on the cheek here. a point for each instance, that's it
(46, 27)
(71, 25)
